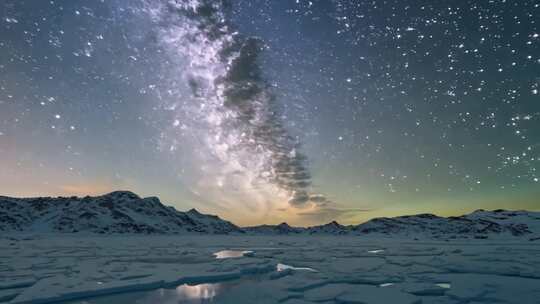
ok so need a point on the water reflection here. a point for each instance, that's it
(192, 294)
(185, 294)
(201, 291)
(226, 254)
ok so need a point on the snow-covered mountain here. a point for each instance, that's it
(282, 228)
(125, 212)
(478, 224)
(330, 228)
(116, 212)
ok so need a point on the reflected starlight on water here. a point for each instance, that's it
(201, 291)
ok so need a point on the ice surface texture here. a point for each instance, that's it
(50, 268)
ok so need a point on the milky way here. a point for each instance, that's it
(243, 127)
(265, 111)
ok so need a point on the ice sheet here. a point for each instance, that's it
(129, 269)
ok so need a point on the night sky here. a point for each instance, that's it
(269, 111)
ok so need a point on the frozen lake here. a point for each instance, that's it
(265, 269)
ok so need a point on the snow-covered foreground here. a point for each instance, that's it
(271, 269)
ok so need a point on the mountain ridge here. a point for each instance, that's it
(115, 212)
(121, 212)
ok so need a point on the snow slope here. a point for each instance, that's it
(116, 212)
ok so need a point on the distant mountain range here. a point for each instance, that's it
(125, 212)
